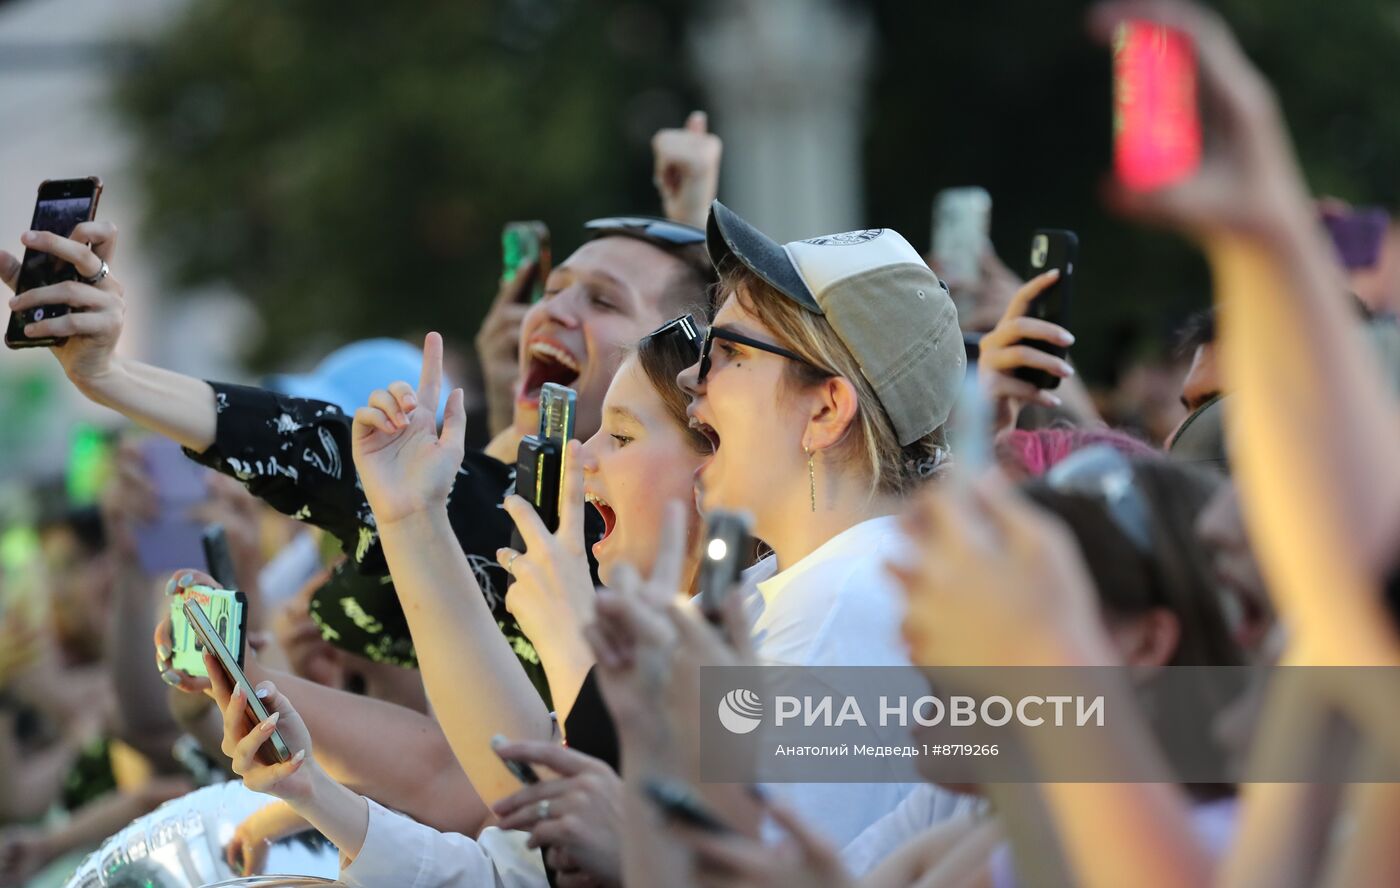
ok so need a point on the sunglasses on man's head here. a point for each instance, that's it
(714, 332)
(657, 231)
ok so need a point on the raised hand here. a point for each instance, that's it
(1001, 354)
(97, 310)
(732, 858)
(164, 642)
(578, 813)
(242, 738)
(687, 169)
(1248, 178)
(405, 465)
(553, 590)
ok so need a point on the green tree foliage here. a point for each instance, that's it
(1014, 97)
(348, 165)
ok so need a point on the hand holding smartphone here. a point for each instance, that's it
(539, 467)
(275, 750)
(1050, 248)
(677, 802)
(522, 770)
(226, 611)
(61, 206)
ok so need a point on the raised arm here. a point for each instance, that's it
(473, 679)
(177, 406)
(1308, 401)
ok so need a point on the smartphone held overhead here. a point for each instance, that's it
(275, 750)
(1058, 249)
(1157, 127)
(526, 243)
(61, 206)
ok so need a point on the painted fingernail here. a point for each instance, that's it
(263, 693)
(170, 587)
(162, 652)
(237, 694)
(1055, 399)
(29, 237)
(170, 678)
(186, 580)
(1067, 338)
(297, 759)
(271, 722)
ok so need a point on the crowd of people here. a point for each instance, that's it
(410, 650)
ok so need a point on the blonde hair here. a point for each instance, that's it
(870, 440)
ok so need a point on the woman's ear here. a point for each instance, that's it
(833, 411)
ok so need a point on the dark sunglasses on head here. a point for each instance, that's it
(714, 332)
(682, 328)
(661, 232)
(1104, 474)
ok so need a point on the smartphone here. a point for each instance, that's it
(1358, 235)
(539, 463)
(227, 612)
(962, 219)
(1050, 248)
(728, 540)
(172, 539)
(62, 205)
(677, 802)
(256, 711)
(971, 432)
(522, 243)
(522, 770)
(217, 556)
(1156, 124)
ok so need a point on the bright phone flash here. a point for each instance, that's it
(716, 550)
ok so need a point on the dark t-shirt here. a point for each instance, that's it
(295, 455)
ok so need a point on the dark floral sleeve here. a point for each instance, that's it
(295, 455)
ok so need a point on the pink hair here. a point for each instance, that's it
(1032, 453)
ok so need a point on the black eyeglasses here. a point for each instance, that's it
(714, 332)
(1103, 473)
(682, 328)
(662, 232)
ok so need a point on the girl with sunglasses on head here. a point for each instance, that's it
(823, 386)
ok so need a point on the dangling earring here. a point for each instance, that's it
(811, 477)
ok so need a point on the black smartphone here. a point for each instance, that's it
(728, 540)
(523, 242)
(522, 770)
(677, 802)
(256, 711)
(539, 463)
(62, 205)
(218, 557)
(1050, 248)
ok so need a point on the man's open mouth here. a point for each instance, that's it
(547, 362)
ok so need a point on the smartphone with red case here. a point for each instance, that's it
(1156, 123)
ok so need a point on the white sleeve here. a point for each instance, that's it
(400, 852)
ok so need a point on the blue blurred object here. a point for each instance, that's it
(347, 376)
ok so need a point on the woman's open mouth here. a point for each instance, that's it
(606, 512)
(710, 435)
(547, 362)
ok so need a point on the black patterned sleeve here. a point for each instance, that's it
(294, 454)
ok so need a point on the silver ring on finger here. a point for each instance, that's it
(97, 278)
(542, 809)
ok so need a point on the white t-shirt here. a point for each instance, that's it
(835, 607)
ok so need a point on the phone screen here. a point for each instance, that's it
(1156, 124)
